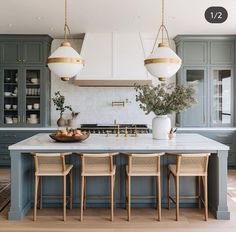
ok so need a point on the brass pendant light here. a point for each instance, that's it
(65, 61)
(163, 62)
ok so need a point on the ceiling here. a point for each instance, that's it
(47, 16)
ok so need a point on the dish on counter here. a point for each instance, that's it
(69, 135)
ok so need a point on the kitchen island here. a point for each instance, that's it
(22, 171)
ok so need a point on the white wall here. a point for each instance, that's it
(94, 103)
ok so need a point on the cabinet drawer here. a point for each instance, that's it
(232, 159)
(4, 148)
(8, 137)
(5, 160)
(12, 137)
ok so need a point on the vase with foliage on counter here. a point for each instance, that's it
(163, 100)
(59, 102)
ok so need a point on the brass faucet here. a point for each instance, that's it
(126, 132)
(135, 131)
(118, 130)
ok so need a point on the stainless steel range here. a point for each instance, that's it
(118, 129)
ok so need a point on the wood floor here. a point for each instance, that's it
(142, 220)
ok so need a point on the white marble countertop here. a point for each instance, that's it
(28, 128)
(53, 128)
(98, 142)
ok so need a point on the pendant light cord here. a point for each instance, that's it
(162, 28)
(162, 20)
(66, 27)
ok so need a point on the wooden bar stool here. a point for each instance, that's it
(51, 164)
(189, 165)
(143, 165)
(97, 165)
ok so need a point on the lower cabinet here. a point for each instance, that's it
(8, 138)
(227, 137)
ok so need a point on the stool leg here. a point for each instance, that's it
(177, 197)
(85, 186)
(112, 198)
(41, 192)
(199, 192)
(64, 198)
(126, 192)
(168, 191)
(129, 197)
(114, 184)
(82, 198)
(35, 196)
(71, 189)
(206, 197)
(159, 197)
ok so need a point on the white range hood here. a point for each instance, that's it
(113, 59)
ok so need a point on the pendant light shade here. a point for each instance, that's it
(163, 62)
(65, 61)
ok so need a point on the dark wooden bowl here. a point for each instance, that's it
(69, 139)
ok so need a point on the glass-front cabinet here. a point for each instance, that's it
(197, 114)
(222, 96)
(22, 96)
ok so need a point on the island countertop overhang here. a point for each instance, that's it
(142, 143)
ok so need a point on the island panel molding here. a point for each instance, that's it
(22, 169)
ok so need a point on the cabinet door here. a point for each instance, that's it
(197, 114)
(32, 96)
(222, 52)
(195, 53)
(221, 96)
(129, 56)
(32, 53)
(10, 103)
(11, 53)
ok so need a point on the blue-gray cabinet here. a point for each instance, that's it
(208, 65)
(24, 81)
(9, 137)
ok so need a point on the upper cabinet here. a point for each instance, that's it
(22, 50)
(111, 57)
(208, 65)
(222, 52)
(194, 52)
(24, 81)
(11, 52)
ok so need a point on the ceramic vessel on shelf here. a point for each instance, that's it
(161, 126)
(7, 106)
(7, 94)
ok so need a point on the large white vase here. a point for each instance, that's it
(161, 126)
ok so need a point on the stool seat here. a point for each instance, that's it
(51, 170)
